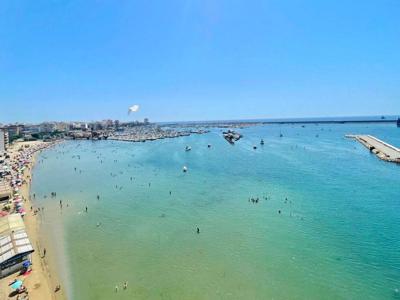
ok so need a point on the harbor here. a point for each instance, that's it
(151, 133)
(380, 148)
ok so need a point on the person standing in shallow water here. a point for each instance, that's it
(198, 230)
(86, 208)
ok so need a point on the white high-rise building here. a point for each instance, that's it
(3, 140)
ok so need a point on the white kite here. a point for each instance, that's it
(133, 108)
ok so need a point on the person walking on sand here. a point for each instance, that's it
(44, 252)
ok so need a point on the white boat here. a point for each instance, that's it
(188, 148)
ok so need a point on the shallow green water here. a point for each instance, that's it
(337, 236)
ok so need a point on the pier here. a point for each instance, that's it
(380, 148)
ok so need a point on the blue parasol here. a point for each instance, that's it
(16, 285)
(26, 264)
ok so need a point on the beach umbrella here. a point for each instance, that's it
(16, 284)
(26, 264)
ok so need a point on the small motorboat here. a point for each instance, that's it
(188, 148)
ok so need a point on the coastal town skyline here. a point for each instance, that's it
(392, 117)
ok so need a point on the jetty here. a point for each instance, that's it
(380, 148)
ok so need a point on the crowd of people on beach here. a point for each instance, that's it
(13, 172)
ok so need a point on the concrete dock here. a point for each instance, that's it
(381, 149)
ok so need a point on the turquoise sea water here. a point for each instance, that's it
(337, 236)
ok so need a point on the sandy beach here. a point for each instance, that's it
(41, 282)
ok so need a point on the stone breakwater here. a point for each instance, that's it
(380, 148)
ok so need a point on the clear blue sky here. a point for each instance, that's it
(198, 59)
